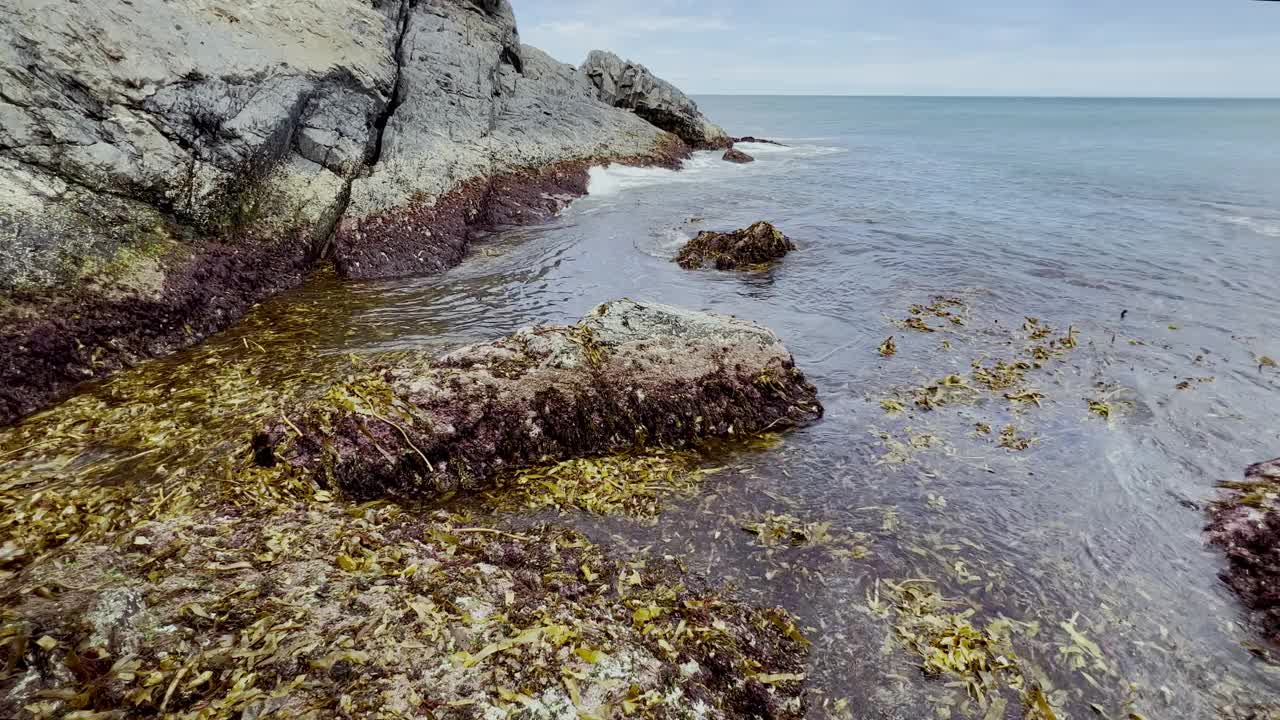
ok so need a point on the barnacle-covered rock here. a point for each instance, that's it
(629, 374)
(757, 245)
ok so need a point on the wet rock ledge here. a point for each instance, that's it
(629, 374)
(1246, 525)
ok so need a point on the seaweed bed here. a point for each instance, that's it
(197, 584)
(320, 610)
(155, 566)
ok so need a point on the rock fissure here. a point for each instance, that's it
(396, 98)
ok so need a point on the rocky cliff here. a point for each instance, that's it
(166, 164)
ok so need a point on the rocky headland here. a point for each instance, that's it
(166, 165)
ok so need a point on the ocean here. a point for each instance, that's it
(1046, 516)
(1149, 228)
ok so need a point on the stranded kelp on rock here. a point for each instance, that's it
(750, 248)
(1246, 525)
(316, 611)
(627, 375)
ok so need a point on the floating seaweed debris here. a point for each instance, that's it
(1100, 408)
(888, 348)
(1010, 439)
(892, 407)
(631, 483)
(1189, 383)
(774, 531)
(950, 642)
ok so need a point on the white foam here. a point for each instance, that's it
(613, 179)
(1258, 225)
(751, 148)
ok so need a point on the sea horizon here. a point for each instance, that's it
(993, 97)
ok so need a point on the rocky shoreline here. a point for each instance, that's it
(149, 200)
(166, 166)
(313, 611)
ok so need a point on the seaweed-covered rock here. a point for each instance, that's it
(1246, 525)
(734, 155)
(321, 611)
(753, 246)
(627, 375)
(759, 141)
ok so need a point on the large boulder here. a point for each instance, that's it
(630, 85)
(164, 165)
(628, 374)
(750, 247)
(1245, 523)
(734, 155)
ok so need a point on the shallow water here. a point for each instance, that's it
(1072, 211)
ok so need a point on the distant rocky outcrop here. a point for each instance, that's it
(629, 374)
(167, 164)
(758, 141)
(734, 155)
(754, 246)
(630, 85)
(1246, 525)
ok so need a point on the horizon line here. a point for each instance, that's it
(976, 96)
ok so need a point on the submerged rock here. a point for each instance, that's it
(759, 141)
(1246, 525)
(630, 85)
(753, 246)
(627, 375)
(319, 611)
(735, 155)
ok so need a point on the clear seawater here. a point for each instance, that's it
(1151, 227)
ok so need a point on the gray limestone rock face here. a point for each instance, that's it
(121, 121)
(472, 101)
(167, 164)
(630, 85)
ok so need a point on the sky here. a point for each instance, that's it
(1172, 48)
